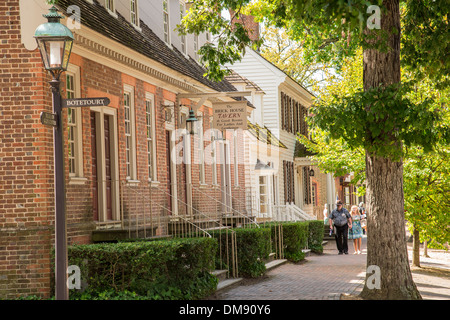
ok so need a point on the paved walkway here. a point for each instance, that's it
(327, 276)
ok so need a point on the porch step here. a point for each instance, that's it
(228, 283)
(275, 263)
(220, 274)
(306, 252)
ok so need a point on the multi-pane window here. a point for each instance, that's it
(128, 133)
(71, 125)
(195, 45)
(166, 21)
(293, 115)
(134, 12)
(201, 150)
(183, 37)
(109, 4)
(289, 184)
(150, 138)
(263, 194)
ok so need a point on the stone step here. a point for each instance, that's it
(306, 252)
(227, 283)
(220, 274)
(275, 263)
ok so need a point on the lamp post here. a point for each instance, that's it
(190, 121)
(55, 45)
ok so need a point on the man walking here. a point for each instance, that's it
(341, 219)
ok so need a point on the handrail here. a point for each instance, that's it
(227, 206)
(178, 216)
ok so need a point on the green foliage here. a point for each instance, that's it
(315, 235)
(295, 238)
(174, 269)
(381, 119)
(253, 246)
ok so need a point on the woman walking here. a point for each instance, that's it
(355, 232)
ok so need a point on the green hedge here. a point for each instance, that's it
(315, 237)
(295, 238)
(253, 246)
(167, 269)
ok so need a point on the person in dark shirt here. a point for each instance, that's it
(342, 220)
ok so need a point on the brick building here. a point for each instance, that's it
(131, 168)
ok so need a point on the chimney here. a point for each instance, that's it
(248, 22)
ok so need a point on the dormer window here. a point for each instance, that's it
(183, 37)
(166, 21)
(134, 12)
(109, 4)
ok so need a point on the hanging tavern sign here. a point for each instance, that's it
(230, 115)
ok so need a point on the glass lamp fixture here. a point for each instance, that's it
(190, 121)
(55, 42)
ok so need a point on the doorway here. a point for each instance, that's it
(104, 165)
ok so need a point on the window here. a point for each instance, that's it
(214, 137)
(74, 129)
(195, 45)
(151, 156)
(183, 37)
(130, 136)
(134, 12)
(289, 184)
(263, 199)
(109, 4)
(307, 185)
(293, 115)
(201, 149)
(166, 21)
(236, 159)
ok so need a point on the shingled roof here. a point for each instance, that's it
(146, 42)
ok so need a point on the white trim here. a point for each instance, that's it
(74, 71)
(114, 156)
(133, 167)
(150, 97)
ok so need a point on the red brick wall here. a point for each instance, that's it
(26, 157)
(26, 162)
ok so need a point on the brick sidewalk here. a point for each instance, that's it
(327, 276)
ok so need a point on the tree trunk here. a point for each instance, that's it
(386, 242)
(416, 248)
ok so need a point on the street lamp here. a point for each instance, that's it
(190, 121)
(55, 45)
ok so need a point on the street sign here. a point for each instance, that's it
(49, 119)
(230, 115)
(85, 102)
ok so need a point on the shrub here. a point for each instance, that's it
(167, 269)
(253, 246)
(295, 238)
(315, 235)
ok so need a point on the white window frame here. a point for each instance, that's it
(166, 20)
(214, 138)
(195, 42)
(134, 14)
(201, 148)
(183, 37)
(76, 176)
(236, 159)
(131, 171)
(151, 141)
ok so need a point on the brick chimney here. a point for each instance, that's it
(249, 23)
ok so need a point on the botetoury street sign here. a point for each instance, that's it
(85, 102)
(49, 119)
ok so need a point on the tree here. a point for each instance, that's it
(289, 56)
(383, 118)
(426, 174)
